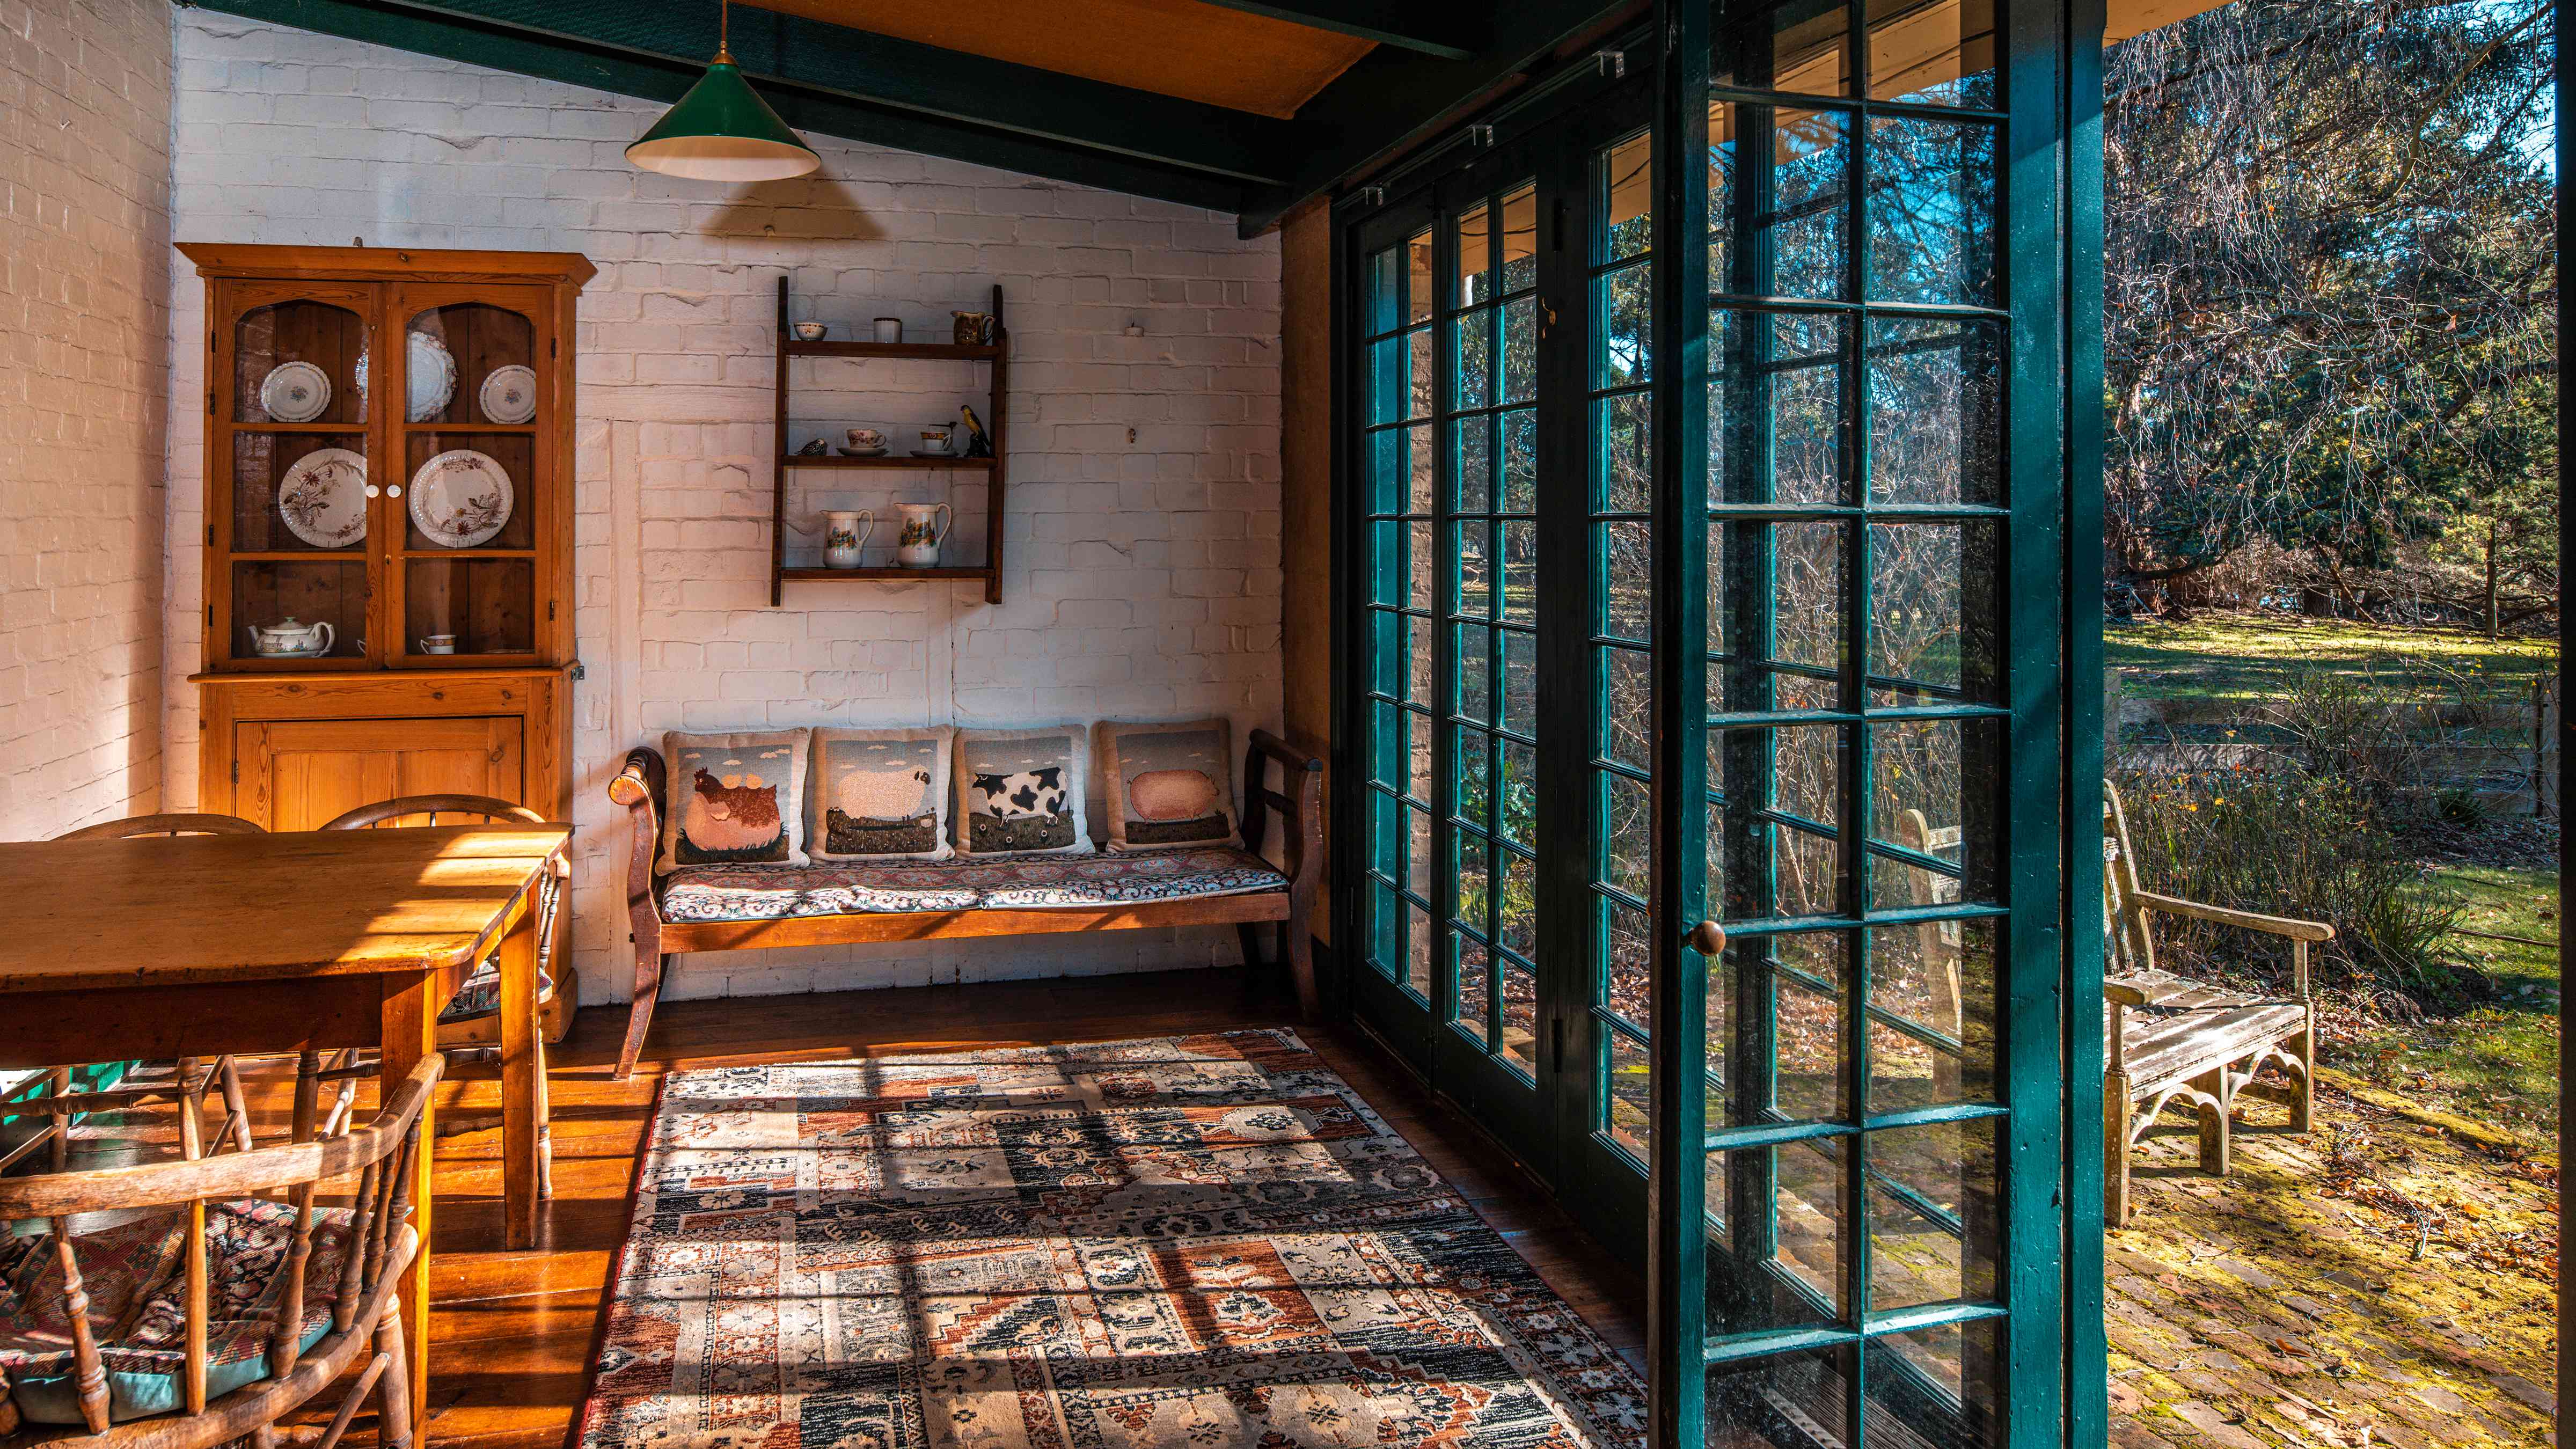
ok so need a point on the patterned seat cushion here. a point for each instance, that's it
(136, 1275)
(886, 887)
(480, 996)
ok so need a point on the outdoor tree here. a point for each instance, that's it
(2331, 279)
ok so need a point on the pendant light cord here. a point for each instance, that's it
(724, 32)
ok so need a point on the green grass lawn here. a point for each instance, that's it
(2251, 657)
(2499, 1063)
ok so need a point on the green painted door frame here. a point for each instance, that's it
(1846, 819)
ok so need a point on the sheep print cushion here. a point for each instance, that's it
(735, 799)
(1020, 792)
(1204, 1242)
(880, 794)
(1168, 785)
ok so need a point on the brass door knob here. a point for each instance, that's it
(1706, 938)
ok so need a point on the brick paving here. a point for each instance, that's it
(2285, 1306)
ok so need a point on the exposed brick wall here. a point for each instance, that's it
(1143, 571)
(84, 361)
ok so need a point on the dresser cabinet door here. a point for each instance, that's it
(296, 774)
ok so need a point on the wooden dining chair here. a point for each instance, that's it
(469, 1021)
(189, 1084)
(217, 1298)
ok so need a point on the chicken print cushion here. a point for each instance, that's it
(1168, 785)
(1019, 792)
(736, 799)
(880, 794)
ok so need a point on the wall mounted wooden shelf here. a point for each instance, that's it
(809, 460)
(995, 353)
(919, 351)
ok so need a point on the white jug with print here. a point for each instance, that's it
(845, 531)
(924, 525)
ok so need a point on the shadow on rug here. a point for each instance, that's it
(1192, 1242)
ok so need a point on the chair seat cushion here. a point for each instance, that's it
(136, 1276)
(480, 996)
(770, 893)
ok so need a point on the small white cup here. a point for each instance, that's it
(438, 644)
(889, 329)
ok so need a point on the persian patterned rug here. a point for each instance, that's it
(1196, 1242)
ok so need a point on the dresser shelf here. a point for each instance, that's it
(995, 355)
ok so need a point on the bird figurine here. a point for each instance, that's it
(979, 444)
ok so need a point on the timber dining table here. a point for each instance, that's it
(158, 947)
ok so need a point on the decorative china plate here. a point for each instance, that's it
(295, 392)
(509, 394)
(430, 375)
(460, 499)
(323, 498)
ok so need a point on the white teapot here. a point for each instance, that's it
(288, 636)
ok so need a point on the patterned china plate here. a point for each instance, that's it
(461, 499)
(509, 394)
(323, 498)
(429, 374)
(295, 392)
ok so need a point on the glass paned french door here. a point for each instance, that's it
(1705, 675)
(1845, 610)
(1455, 469)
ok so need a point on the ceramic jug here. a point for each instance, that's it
(844, 531)
(924, 525)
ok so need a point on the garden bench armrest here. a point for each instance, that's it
(2296, 930)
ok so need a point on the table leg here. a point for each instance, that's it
(411, 1006)
(521, 1069)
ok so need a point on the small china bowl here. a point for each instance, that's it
(811, 331)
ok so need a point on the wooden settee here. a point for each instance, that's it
(742, 908)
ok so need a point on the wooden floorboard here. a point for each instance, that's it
(511, 1331)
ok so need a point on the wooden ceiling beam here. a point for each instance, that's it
(1448, 31)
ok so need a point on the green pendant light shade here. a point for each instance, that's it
(723, 131)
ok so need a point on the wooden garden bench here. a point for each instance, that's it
(742, 908)
(2169, 1039)
(2165, 1038)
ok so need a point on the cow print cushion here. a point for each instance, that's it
(1020, 792)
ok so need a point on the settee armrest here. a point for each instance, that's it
(639, 786)
(1299, 801)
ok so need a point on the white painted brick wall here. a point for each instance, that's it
(1143, 578)
(84, 359)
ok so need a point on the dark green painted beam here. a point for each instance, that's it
(1393, 98)
(1451, 32)
(906, 75)
(630, 73)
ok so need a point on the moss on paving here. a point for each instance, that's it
(2285, 1305)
